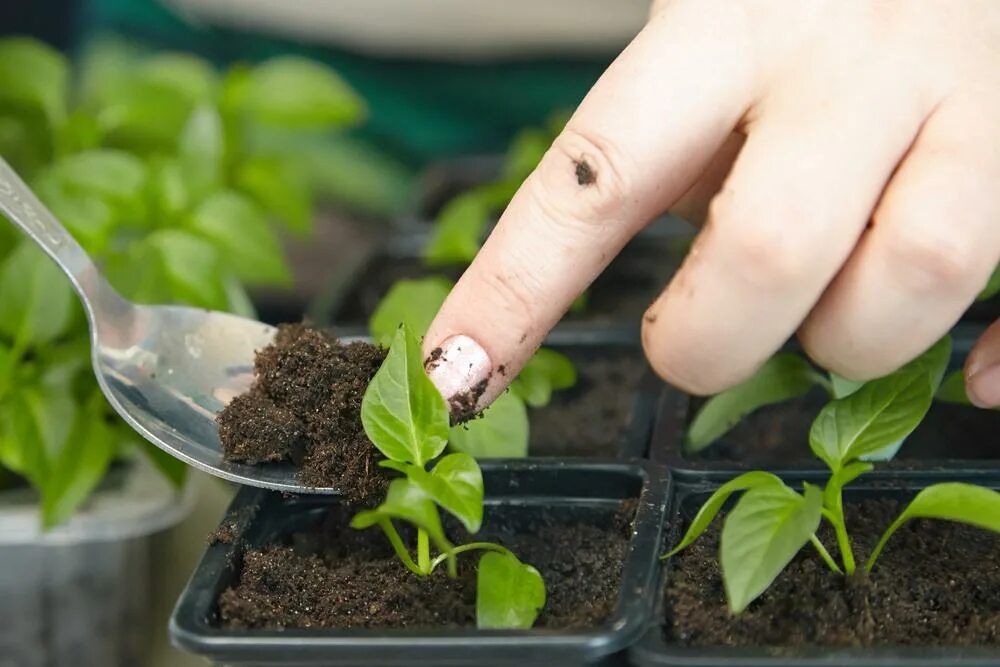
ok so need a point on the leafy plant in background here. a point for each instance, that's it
(170, 174)
(407, 420)
(502, 430)
(772, 522)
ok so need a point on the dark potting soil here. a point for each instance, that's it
(305, 407)
(590, 418)
(936, 583)
(338, 577)
(780, 434)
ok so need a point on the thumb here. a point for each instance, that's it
(982, 369)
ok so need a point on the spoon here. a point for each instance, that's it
(167, 370)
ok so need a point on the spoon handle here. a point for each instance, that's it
(24, 209)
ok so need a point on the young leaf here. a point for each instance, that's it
(782, 377)
(748, 480)
(140, 113)
(115, 177)
(950, 501)
(274, 184)
(191, 266)
(34, 75)
(406, 501)
(402, 412)
(934, 361)
(201, 149)
(509, 593)
(768, 526)
(879, 414)
(952, 389)
(992, 287)
(187, 74)
(501, 431)
(35, 297)
(294, 92)
(410, 302)
(458, 231)
(545, 372)
(237, 227)
(842, 387)
(455, 483)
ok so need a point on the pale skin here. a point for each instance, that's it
(842, 158)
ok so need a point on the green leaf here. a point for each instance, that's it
(238, 229)
(201, 148)
(141, 113)
(188, 75)
(35, 297)
(768, 526)
(115, 177)
(545, 372)
(951, 501)
(876, 416)
(509, 594)
(748, 480)
(934, 362)
(952, 389)
(408, 502)
(992, 287)
(33, 76)
(79, 467)
(501, 431)
(413, 303)
(37, 421)
(832, 496)
(842, 387)
(277, 186)
(458, 231)
(191, 267)
(402, 412)
(294, 92)
(782, 377)
(455, 483)
(89, 218)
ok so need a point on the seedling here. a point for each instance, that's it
(407, 420)
(771, 522)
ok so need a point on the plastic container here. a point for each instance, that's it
(79, 594)
(584, 488)
(675, 409)
(654, 650)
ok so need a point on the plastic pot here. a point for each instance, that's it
(656, 650)
(79, 594)
(952, 439)
(571, 489)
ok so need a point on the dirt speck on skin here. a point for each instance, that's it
(935, 584)
(305, 407)
(585, 174)
(337, 577)
(463, 406)
(434, 359)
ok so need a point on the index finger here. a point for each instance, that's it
(638, 141)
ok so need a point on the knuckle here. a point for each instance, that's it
(933, 259)
(513, 294)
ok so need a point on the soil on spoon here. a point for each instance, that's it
(338, 577)
(305, 407)
(936, 583)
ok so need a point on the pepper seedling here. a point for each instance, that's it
(407, 420)
(772, 522)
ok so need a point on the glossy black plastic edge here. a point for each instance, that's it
(669, 423)
(654, 651)
(524, 482)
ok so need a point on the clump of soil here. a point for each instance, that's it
(936, 583)
(590, 418)
(338, 577)
(305, 407)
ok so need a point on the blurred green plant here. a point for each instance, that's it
(177, 178)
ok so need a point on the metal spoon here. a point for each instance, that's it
(167, 370)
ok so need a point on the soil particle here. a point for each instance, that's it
(937, 583)
(305, 407)
(343, 578)
(463, 406)
(224, 534)
(432, 360)
(585, 174)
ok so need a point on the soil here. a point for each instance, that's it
(779, 434)
(936, 583)
(590, 418)
(305, 407)
(338, 577)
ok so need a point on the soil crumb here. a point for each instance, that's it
(343, 578)
(585, 174)
(936, 583)
(305, 407)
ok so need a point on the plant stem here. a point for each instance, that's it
(472, 546)
(836, 518)
(397, 545)
(423, 551)
(825, 555)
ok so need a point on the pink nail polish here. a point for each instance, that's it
(460, 369)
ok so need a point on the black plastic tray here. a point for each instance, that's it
(262, 516)
(672, 415)
(653, 650)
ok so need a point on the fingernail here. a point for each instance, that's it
(460, 369)
(984, 387)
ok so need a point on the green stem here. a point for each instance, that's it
(882, 542)
(397, 544)
(472, 546)
(825, 555)
(836, 518)
(423, 551)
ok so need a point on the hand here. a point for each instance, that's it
(845, 155)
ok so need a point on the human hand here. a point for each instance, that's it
(845, 155)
